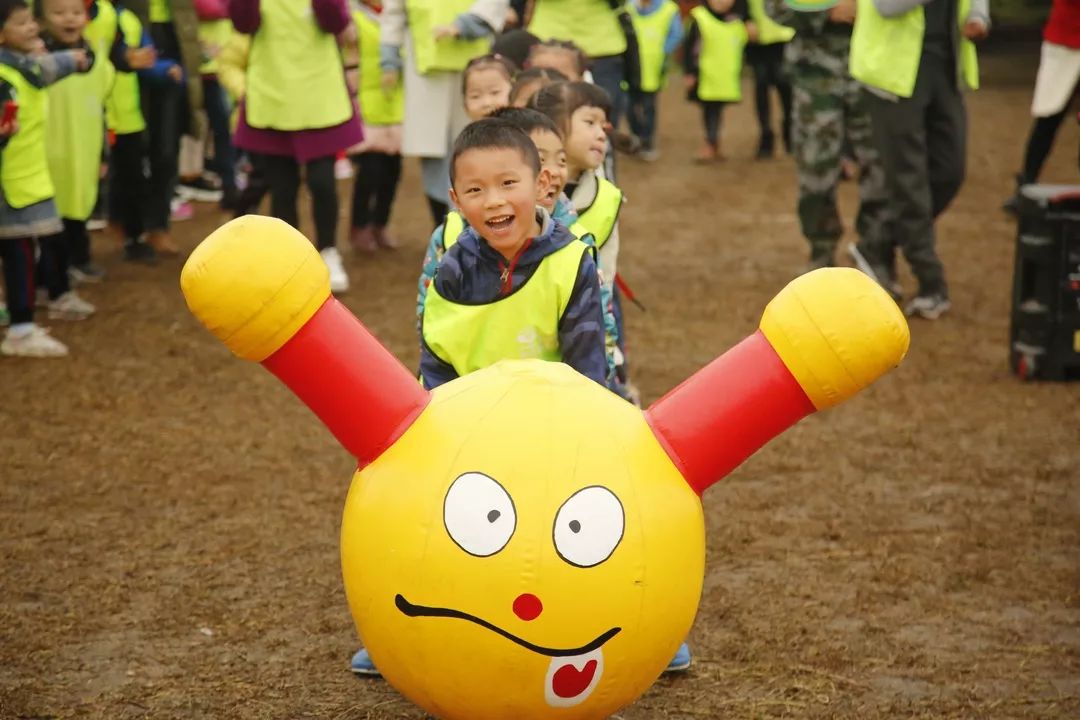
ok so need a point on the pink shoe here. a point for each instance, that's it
(181, 211)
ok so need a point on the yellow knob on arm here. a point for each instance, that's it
(837, 331)
(254, 283)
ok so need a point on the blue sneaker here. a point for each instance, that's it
(681, 661)
(361, 664)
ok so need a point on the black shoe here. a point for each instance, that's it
(230, 199)
(140, 252)
(765, 149)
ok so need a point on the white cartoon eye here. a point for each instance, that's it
(589, 526)
(479, 514)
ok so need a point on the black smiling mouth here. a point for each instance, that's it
(407, 608)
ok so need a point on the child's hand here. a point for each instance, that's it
(352, 80)
(141, 58)
(390, 80)
(843, 12)
(975, 30)
(82, 60)
(751, 31)
(9, 129)
(446, 31)
(38, 47)
(176, 74)
(689, 81)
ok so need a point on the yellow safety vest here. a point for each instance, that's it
(770, 32)
(377, 107)
(447, 54)
(160, 11)
(652, 31)
(600, 217)
(885, 52)
(123, 108)
(100, 32)
(74, 136)
(217, 33)
(522, 325)
(720, 64)
(591, 24)
(24, 170)
(295, 78)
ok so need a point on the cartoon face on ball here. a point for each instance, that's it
(507, 563)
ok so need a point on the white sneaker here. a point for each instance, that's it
(70, 306)
(36, 342)
(339, 280)
(930, 307)
(343, 169)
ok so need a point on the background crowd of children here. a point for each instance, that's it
(129, 109)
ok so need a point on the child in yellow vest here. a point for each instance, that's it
(128, 179)
(659, 30)
(712, 62)
(28, 215)
(214, 32)
(766, 58)
(75, 132)
(378, 157)
(580, 110)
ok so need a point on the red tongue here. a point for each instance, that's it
(570, 682)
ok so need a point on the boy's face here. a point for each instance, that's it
(20, 32)
(496, 190)
(486, 91)
(553, 161)
(65, 20)
(721, 6)
(554, 58)
(586, 143)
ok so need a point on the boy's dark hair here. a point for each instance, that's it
(525, 78)
(528, 120)
(495, 133)
(561, 100)
(566, 45)
(485, 62)
(8, 8)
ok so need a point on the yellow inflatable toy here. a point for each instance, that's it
(521, 543)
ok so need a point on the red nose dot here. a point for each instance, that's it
(528, 607)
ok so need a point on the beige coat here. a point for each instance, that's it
(434, 110)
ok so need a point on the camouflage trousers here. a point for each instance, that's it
(831, 120)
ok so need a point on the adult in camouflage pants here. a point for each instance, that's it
(830, 118)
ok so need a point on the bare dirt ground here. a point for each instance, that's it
(169, 515)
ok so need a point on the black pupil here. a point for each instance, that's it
(493, 516)
(575, 526)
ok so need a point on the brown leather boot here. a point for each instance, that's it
(162, 242)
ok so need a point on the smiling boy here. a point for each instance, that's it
(516, 284)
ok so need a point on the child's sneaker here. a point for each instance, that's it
(339, 280)
(96, 224)
(707, 153)
(140, 251)
(649, 155)
(201, 189)
(343, 169)
(180, 210)
(34, 341)
(681, 661)
(86, 273)
(361, 664)
(930, 307)
(70, 306)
